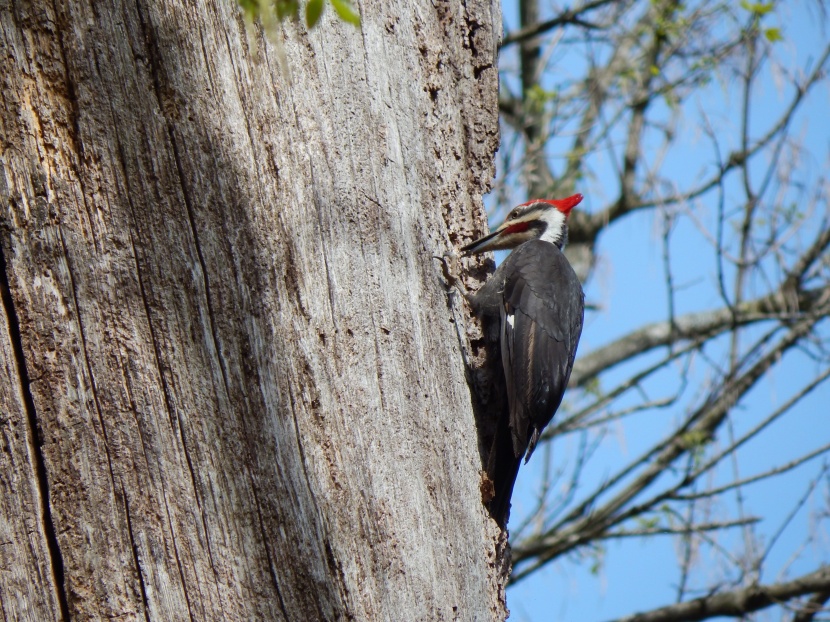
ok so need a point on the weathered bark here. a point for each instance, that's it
(231, 385)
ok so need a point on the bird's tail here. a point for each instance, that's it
(503, 467)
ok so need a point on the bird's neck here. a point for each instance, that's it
(557, 236)
(556, 228)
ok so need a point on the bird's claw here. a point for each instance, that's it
(449, 267)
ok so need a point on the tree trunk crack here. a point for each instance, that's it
(142, 587)
(318, 513)
(50, 536)
(271, 569)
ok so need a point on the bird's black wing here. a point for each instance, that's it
(541, 323)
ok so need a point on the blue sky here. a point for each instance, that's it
(628, 284)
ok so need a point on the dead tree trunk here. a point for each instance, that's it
(231, 386)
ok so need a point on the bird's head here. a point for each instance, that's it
(538, 219)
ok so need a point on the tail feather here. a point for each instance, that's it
(503, 467)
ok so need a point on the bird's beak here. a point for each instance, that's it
(483, 244)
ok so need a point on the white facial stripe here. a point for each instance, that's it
(510, 319)
(555, 221)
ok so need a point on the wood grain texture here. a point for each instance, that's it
(231, 384)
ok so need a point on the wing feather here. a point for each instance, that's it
(544, 298)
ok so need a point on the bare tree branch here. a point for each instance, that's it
(738, 602)
(789, 466)
(814, 605)
(567, 17)
(704, 325)
(674, 531)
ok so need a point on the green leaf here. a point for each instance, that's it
(593, 386)
(758, 8)
(251, 9)
(313, 11)
(773, 34)
(539, 96)
(346, 11)
(648, 523)
(694, 439)
(287, 8)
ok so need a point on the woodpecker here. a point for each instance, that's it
(539, 303)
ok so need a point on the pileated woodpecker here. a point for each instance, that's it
(540, 305)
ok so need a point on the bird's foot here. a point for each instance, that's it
(449, 268)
